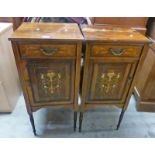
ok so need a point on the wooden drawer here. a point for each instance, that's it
(41, 50)
(115, 50)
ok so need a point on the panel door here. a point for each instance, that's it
(109, 81)
(51, 82)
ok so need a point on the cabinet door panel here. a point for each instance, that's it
(109, 81)
(51, 82)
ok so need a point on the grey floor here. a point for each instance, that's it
(58, 123)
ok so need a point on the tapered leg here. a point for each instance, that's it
(80, 121)
(120, 118)
(32, 123)
(75, 120)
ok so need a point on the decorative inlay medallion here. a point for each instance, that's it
(50, 82)
(108, 81)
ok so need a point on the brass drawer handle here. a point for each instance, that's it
(48, 51)
(117, 51)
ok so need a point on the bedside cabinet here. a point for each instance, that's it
(112, 57)
(48, 58)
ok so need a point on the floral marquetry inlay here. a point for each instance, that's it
(50, 82)
(108, 81)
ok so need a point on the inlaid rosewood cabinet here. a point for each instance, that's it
(48, 59)
(112, 58)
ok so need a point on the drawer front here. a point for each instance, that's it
(51, 82)
(115, 50)
(47, 50)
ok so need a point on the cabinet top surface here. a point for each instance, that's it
(53, 31)
(112, 33)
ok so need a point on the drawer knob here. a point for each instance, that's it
(48, 51)
(117, 51)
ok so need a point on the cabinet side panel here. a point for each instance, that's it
(148, 92)
(144, 72)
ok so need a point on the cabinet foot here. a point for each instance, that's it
(120, 118)
(80, 121)
(75, 120)
(32, 123)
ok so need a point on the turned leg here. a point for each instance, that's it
(75, 120)
(32, 123)
(80, 121)
(120, 118)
